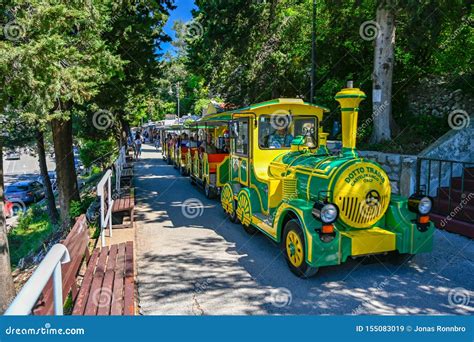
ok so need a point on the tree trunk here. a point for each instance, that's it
(53, 213)
(382, 75)
(7, 289)
(65, 170)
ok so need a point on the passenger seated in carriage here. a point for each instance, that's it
(208, 146)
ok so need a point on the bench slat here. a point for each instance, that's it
(117, 306)
(94, 293)
(129, 291)
(83, 295)
(106, 295)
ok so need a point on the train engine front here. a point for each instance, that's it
(344, 203)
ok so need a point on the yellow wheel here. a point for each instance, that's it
(228, 202)
(294, 247)
(244, 212)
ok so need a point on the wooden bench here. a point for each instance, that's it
(108, 286)
(126, 177)
(119, 261)
(125, 204)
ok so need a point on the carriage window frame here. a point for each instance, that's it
(235, 137)
(316, 131)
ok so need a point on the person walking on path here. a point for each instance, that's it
(138, 145)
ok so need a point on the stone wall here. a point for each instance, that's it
(401, 170)
(432, 97)
(456, 145)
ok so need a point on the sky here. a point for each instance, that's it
(183, 13)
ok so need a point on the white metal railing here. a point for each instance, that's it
(119, 165)
(26, 299)
(104, 191)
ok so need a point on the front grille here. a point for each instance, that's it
(289, 189)
(356, 210)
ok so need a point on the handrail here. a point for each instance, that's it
(433, 163)
(29, 294)
(105, 215)
(119, 164)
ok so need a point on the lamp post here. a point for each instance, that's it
(313, 53)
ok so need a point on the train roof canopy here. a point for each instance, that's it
(282, 101)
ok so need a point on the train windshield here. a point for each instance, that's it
(278, 131)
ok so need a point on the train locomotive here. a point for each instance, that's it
(320, 208)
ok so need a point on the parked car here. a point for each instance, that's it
(52, 177)
(25, 191)
(12, 155)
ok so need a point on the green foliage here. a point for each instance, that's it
(80, 207)
(99, 152)
(29, 235)
(252, 51)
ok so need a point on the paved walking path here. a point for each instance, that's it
(192, 261)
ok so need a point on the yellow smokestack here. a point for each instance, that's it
(349, 98)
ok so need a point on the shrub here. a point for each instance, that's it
(97, 152)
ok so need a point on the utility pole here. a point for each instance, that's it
(177, 93)
(313, 54)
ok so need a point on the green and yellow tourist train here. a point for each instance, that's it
(270, 164)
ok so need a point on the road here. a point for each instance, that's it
(26, 167)
(193, 261)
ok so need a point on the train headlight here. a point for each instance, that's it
(424, 207)
(420, 204)
(326, 213)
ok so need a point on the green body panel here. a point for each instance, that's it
(400, 220)
(224, 173)
(323, 253)
(244, 171)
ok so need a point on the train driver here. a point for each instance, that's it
(280, 138)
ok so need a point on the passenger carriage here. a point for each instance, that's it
(208, 162)
(322, 209)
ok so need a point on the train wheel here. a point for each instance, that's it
(228, 203)
(294, 249)
(244, 212)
